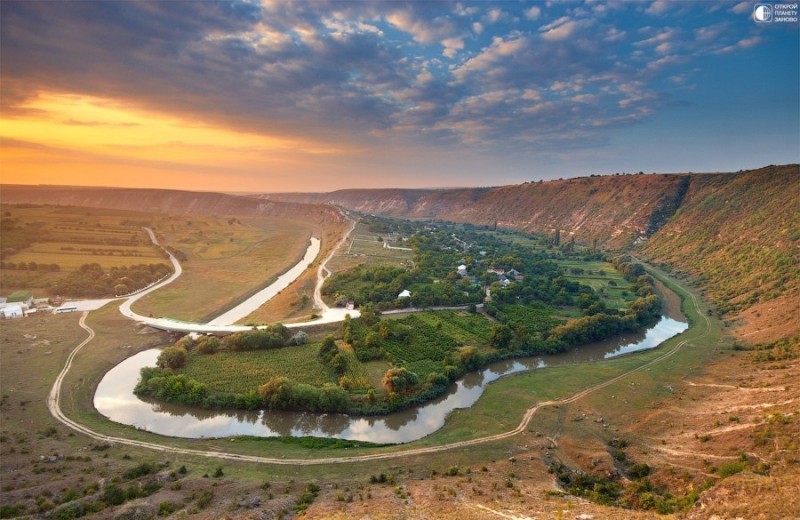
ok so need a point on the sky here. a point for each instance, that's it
(276, 96)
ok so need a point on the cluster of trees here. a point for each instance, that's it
(281, 393)
(91, 280)
(274, 336)
(329, 355)
(598, 322)
(30, 266)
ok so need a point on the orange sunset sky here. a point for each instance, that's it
(317, 96)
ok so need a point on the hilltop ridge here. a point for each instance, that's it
(165, 201)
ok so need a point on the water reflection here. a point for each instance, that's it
(115, 399)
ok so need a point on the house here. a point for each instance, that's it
(516, 275)
(505, 282)
(498, 272)
(350, 305)
(462, 270)
(404, 294)
(13, 311)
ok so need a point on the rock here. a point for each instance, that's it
(251, 503)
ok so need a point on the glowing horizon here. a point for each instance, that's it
(265, 97)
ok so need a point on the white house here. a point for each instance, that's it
(462, 270)
(404, 294)
(13, 311)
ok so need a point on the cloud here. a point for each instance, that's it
(561, 29)
(495, 15)
(452, 46)
(742, 7)
(533, 13)
(356, 74)
(658, 7)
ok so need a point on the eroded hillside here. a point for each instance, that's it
(737, 236)
(613, 210)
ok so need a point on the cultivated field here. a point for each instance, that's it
(363, 247)
(44, 244)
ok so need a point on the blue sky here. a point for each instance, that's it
(312, 96)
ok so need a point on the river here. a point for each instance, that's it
(115, 399)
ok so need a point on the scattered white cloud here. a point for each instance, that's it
(452, 46)
(742, 7)
(494, 15)
(658, 7)
(559, 30)
(533, 13)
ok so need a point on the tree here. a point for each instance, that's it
(172, 358)
(276, 393)
(399, 380)
(339, 364)
(328, 349)
(300, 338)
(208, 345)
(501, 336)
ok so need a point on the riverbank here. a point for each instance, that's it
(115, 399)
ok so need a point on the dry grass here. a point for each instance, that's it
(289, 305)
(227, 261)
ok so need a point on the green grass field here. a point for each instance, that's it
(599, 275)
(242, 372)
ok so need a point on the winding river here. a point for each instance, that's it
(115, 399)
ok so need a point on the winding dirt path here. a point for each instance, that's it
(53, 404)
(323, 272)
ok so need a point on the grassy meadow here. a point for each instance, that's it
(296, 302)
(224, 261)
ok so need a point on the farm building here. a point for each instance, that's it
(13, 311)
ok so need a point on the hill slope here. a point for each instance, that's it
(737, 236)
(615, 210)
(166, 201)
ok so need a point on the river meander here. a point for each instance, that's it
(115, 399)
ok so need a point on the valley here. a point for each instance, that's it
(571, 415)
